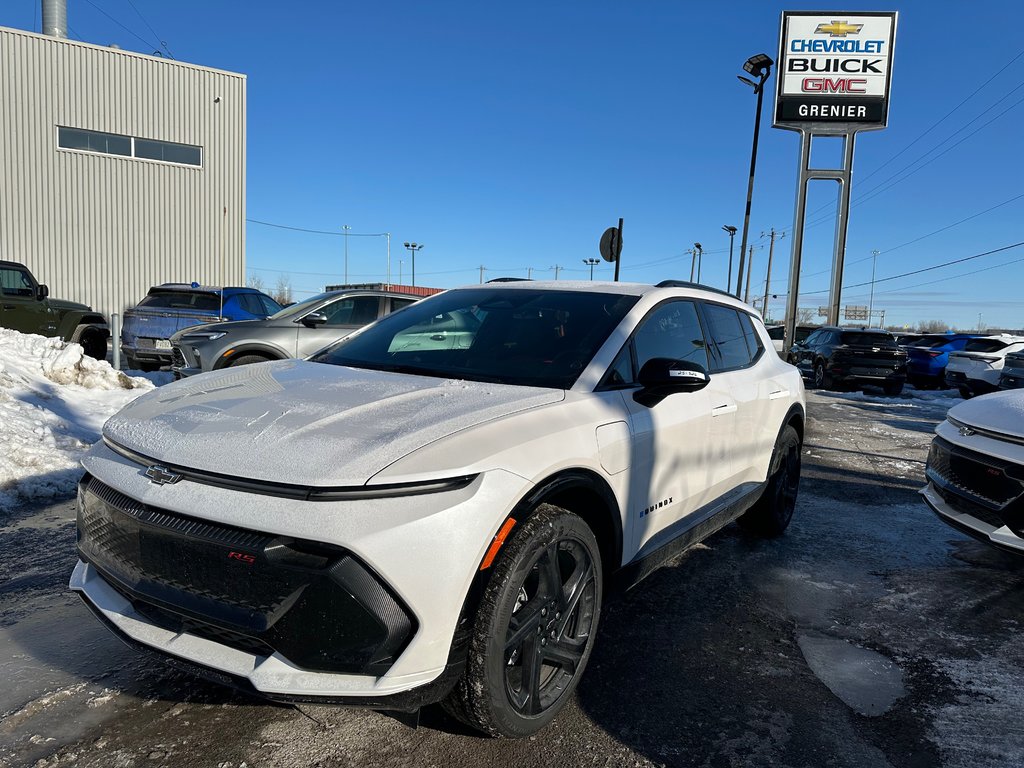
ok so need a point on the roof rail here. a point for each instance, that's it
(510, 280)
(687, 284)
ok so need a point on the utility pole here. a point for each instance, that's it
(401, 263)
(693, 262)
(529, 273)
(346, 228)
(871, 301)
(772, 234)
(750, 265)
(557, 270)
(481, 274)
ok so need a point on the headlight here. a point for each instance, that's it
(211, 336)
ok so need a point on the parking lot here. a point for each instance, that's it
(869, 635)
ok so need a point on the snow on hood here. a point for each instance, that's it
(1001, 412)
(307, 423)
(53, 401)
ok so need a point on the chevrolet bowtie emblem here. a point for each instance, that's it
(966, 431)
(162, 475)
(838, 29)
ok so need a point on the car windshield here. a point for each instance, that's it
(862, 339)
(985, 345)
(537, 338)
(296, 310)
(206, 302)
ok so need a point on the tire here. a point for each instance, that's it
(248, 360)
(771, 514)
(965, 393)
(95, 344)
(892, 388)
(549, 578)
(822, 378)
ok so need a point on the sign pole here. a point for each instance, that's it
(842, 224)
(618, 256)
(796, 252)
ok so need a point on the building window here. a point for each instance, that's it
(129, 146)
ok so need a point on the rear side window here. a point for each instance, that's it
(251, 303)
(203, 302)
(397, 304)
(270, 306)
(727, 337)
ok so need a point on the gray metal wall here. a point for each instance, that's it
(101, 229)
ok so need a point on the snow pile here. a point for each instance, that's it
(53, 402)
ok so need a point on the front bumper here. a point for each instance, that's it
(987, 530)
(188, 614)
(147, 354)
(958, 379)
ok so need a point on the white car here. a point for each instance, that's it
(976, 469)
(389, 527)
(976, 369)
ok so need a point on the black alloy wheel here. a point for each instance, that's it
(535, 627)
(821, 378)
(772, 513)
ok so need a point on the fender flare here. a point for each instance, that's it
(271, 353)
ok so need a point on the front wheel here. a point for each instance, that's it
(892, 388)
(535, 628)
(822, 378)
(771, 514)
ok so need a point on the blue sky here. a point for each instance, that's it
(512, 135)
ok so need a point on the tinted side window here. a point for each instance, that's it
(726, 335)
(269, 305)
(251, 303)
(672, 330)
(355, 310)
(397, 304)
(15, 282)
(813, 338)
(750, 332)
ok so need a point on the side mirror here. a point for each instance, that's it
(663, 376)
(313, 319)
(42, 291)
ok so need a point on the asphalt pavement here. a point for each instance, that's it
(870, 634)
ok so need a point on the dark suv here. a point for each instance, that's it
(831, 357)
(168, 308)
(27, 308)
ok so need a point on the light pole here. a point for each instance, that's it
(759, 66)
(871, 302)
(413, 247)
(700, 258)
(401, 263)
(591, 263)
(346, 228)
(732, 237)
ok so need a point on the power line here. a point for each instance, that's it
(315, 231)
(163, 43)
(122, 26)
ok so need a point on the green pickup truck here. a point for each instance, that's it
(25, 306)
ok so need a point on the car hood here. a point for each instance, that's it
(66, 306)
(307, 423)
(1001, 412)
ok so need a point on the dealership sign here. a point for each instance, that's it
(834, 70)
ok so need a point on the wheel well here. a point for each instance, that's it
(795, 419)
(224, 362)
(585, 494)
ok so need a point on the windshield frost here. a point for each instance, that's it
(539, 338)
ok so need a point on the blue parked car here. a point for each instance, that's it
(927, 358)
(167, 308)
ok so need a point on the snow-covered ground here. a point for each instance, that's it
(53, 402)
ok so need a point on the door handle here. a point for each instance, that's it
(722, 410)
(8, 306)
(438, 337)
(778, 394)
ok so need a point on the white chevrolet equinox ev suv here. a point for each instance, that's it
(404, 519)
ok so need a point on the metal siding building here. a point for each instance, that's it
(102, 228)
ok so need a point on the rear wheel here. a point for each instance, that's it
(822, 378)
(95, 344)
(965, 393)
(771, 514)
(535, 628)
(892, 388)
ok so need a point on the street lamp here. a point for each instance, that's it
(732, 236)
(413, 247)
(591, 263)
(700, 258)
(759, 66)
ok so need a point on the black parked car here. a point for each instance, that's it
(832, 357)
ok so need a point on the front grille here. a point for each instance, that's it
(971, 509)
(313, 603)
(178, 358)
(982, 478)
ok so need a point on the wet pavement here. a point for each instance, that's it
(869, 635)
